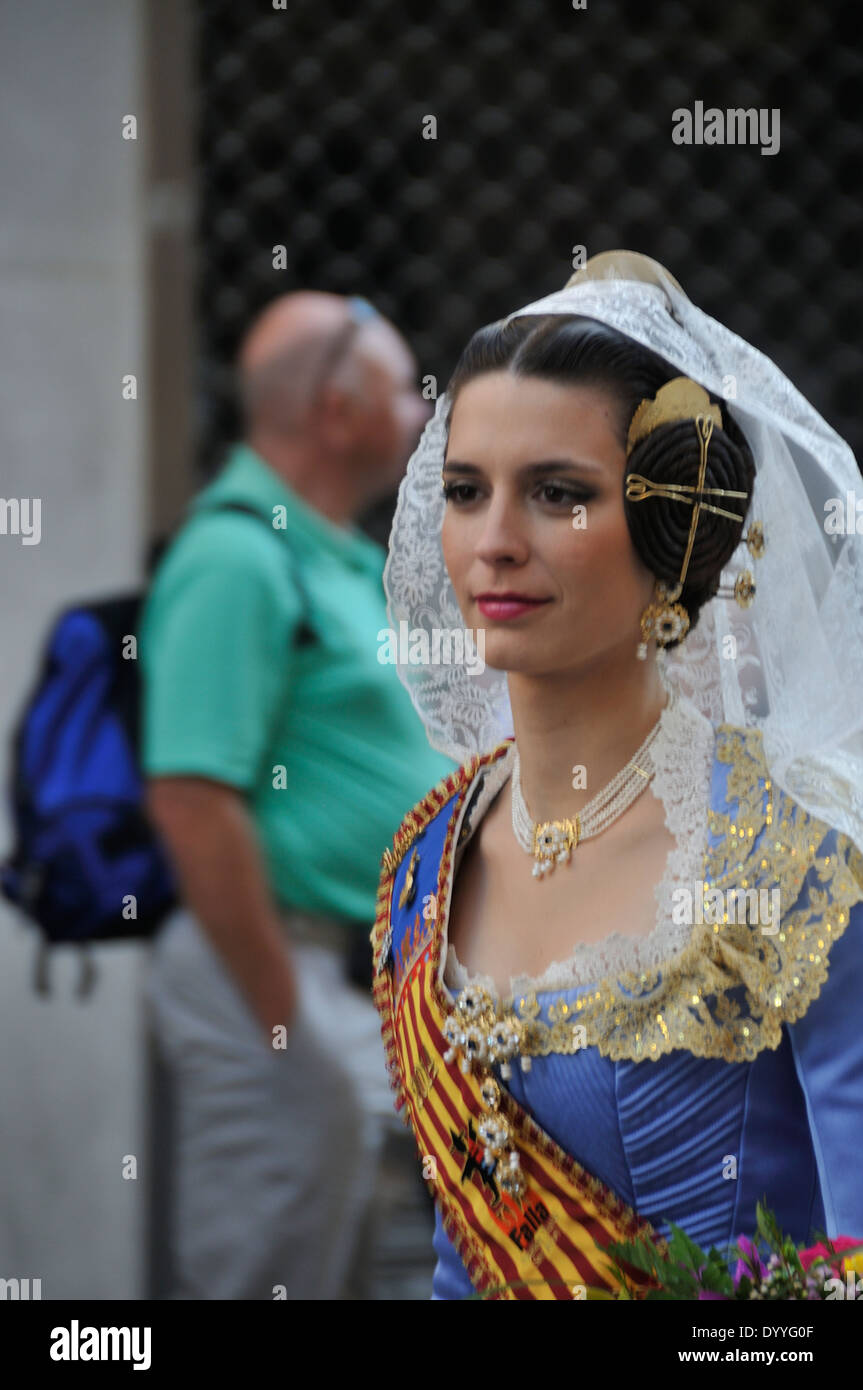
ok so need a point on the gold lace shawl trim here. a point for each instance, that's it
(730, 990)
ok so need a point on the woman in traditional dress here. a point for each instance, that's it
(619, 952)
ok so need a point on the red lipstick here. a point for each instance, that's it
(504, 606)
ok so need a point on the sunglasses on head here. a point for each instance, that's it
(360, 311)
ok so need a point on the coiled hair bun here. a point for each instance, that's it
(575, 350)
(660, 526)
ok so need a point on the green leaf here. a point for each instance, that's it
(792, 1256)
(684, 1250)
(766, 1227)
(715, 1275)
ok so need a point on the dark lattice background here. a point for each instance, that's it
(554, 129)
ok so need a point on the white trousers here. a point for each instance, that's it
(292, 1175)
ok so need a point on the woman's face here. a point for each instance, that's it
(522, 453)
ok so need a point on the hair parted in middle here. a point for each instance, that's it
(573, 350)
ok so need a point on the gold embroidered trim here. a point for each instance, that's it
(730, 990)
(415, 821)
(728, 993)
(418, 817)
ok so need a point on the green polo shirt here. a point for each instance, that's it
(320, 736)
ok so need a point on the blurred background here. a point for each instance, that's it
(143, 249)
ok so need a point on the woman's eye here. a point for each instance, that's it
(557, 494)
(554, 494)
(459, 492)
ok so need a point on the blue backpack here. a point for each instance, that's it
(87, 865)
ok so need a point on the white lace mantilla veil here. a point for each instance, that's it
(798, 672)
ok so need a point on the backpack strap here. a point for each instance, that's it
(305, 631)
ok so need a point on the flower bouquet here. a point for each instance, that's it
(769, 1266)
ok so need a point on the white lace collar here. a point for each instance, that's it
(683, 757)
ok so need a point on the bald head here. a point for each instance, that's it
(299, 344)
(328, 395)
(284, 355)
(291, 322)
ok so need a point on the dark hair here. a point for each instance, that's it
(575, 350)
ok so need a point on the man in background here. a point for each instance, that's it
(281, 756)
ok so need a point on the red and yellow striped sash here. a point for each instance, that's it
(543, 1247)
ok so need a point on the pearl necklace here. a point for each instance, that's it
(552, 842)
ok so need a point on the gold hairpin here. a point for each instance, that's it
(755, 542)
(742, 590)
(638, 487)
(683, 399)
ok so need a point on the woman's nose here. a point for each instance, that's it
(502, 536)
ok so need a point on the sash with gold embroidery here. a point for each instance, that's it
(545, 1242)
(727, 993)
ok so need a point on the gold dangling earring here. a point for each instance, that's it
(665, 619)
(671, 622)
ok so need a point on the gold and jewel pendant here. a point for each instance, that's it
(409, 889)
(553, 843)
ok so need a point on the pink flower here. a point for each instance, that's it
(820, 1251)
(751, 1266)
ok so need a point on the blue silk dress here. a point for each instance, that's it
(699, 1140)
